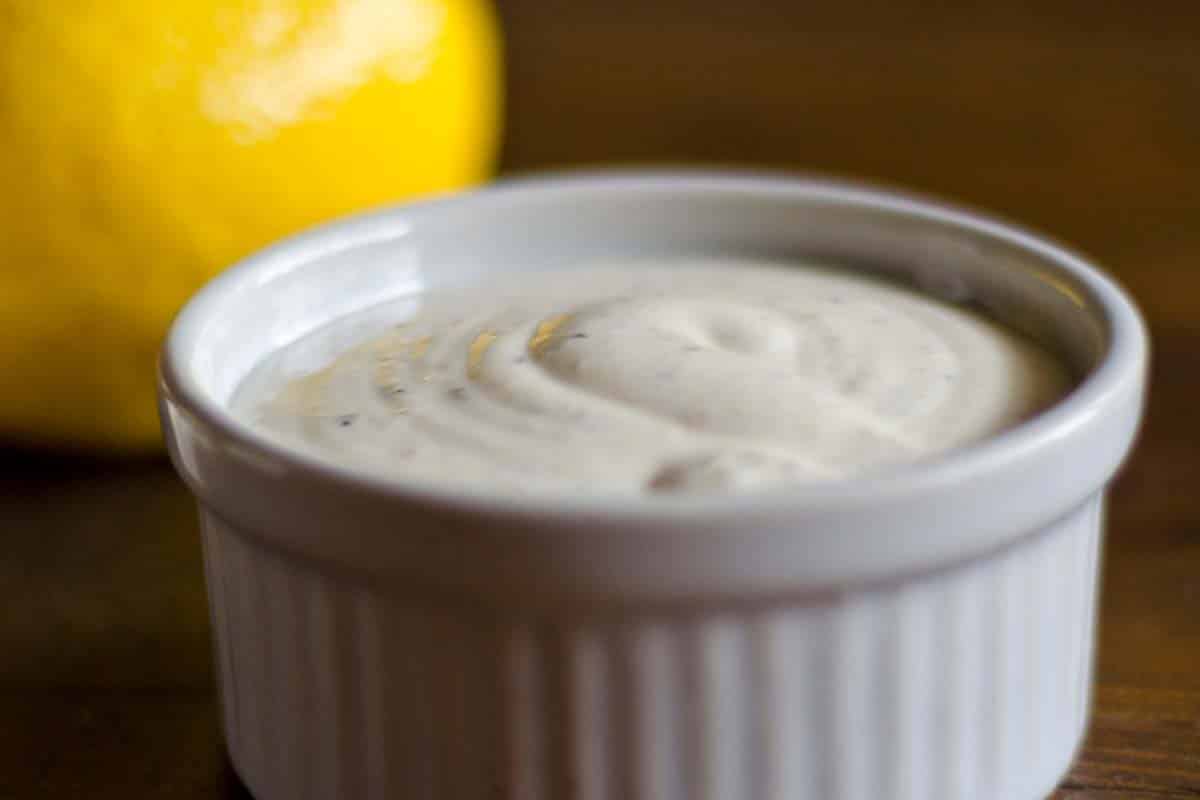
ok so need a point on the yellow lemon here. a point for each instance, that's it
(147, 144)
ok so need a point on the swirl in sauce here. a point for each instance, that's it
(698, 376)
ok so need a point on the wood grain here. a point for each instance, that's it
(1079, 118)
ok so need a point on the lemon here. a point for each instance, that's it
(147, 144)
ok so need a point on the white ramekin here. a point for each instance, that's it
(926, 633)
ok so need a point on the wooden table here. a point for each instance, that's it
(1075, 118)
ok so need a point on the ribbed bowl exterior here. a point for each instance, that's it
(970, 682)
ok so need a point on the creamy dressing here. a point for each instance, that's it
(704, 375)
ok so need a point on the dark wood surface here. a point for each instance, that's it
(1082, 119)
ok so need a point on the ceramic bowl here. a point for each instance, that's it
(925, 632)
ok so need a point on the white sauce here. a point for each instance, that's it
(699, 376)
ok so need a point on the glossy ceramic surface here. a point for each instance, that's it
(922, 633)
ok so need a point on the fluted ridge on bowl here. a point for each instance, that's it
(973, 682)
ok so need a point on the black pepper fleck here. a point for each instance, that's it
(346, 420)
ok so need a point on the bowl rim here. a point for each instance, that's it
(1104, 391)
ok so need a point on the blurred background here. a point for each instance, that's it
(1081, 119)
